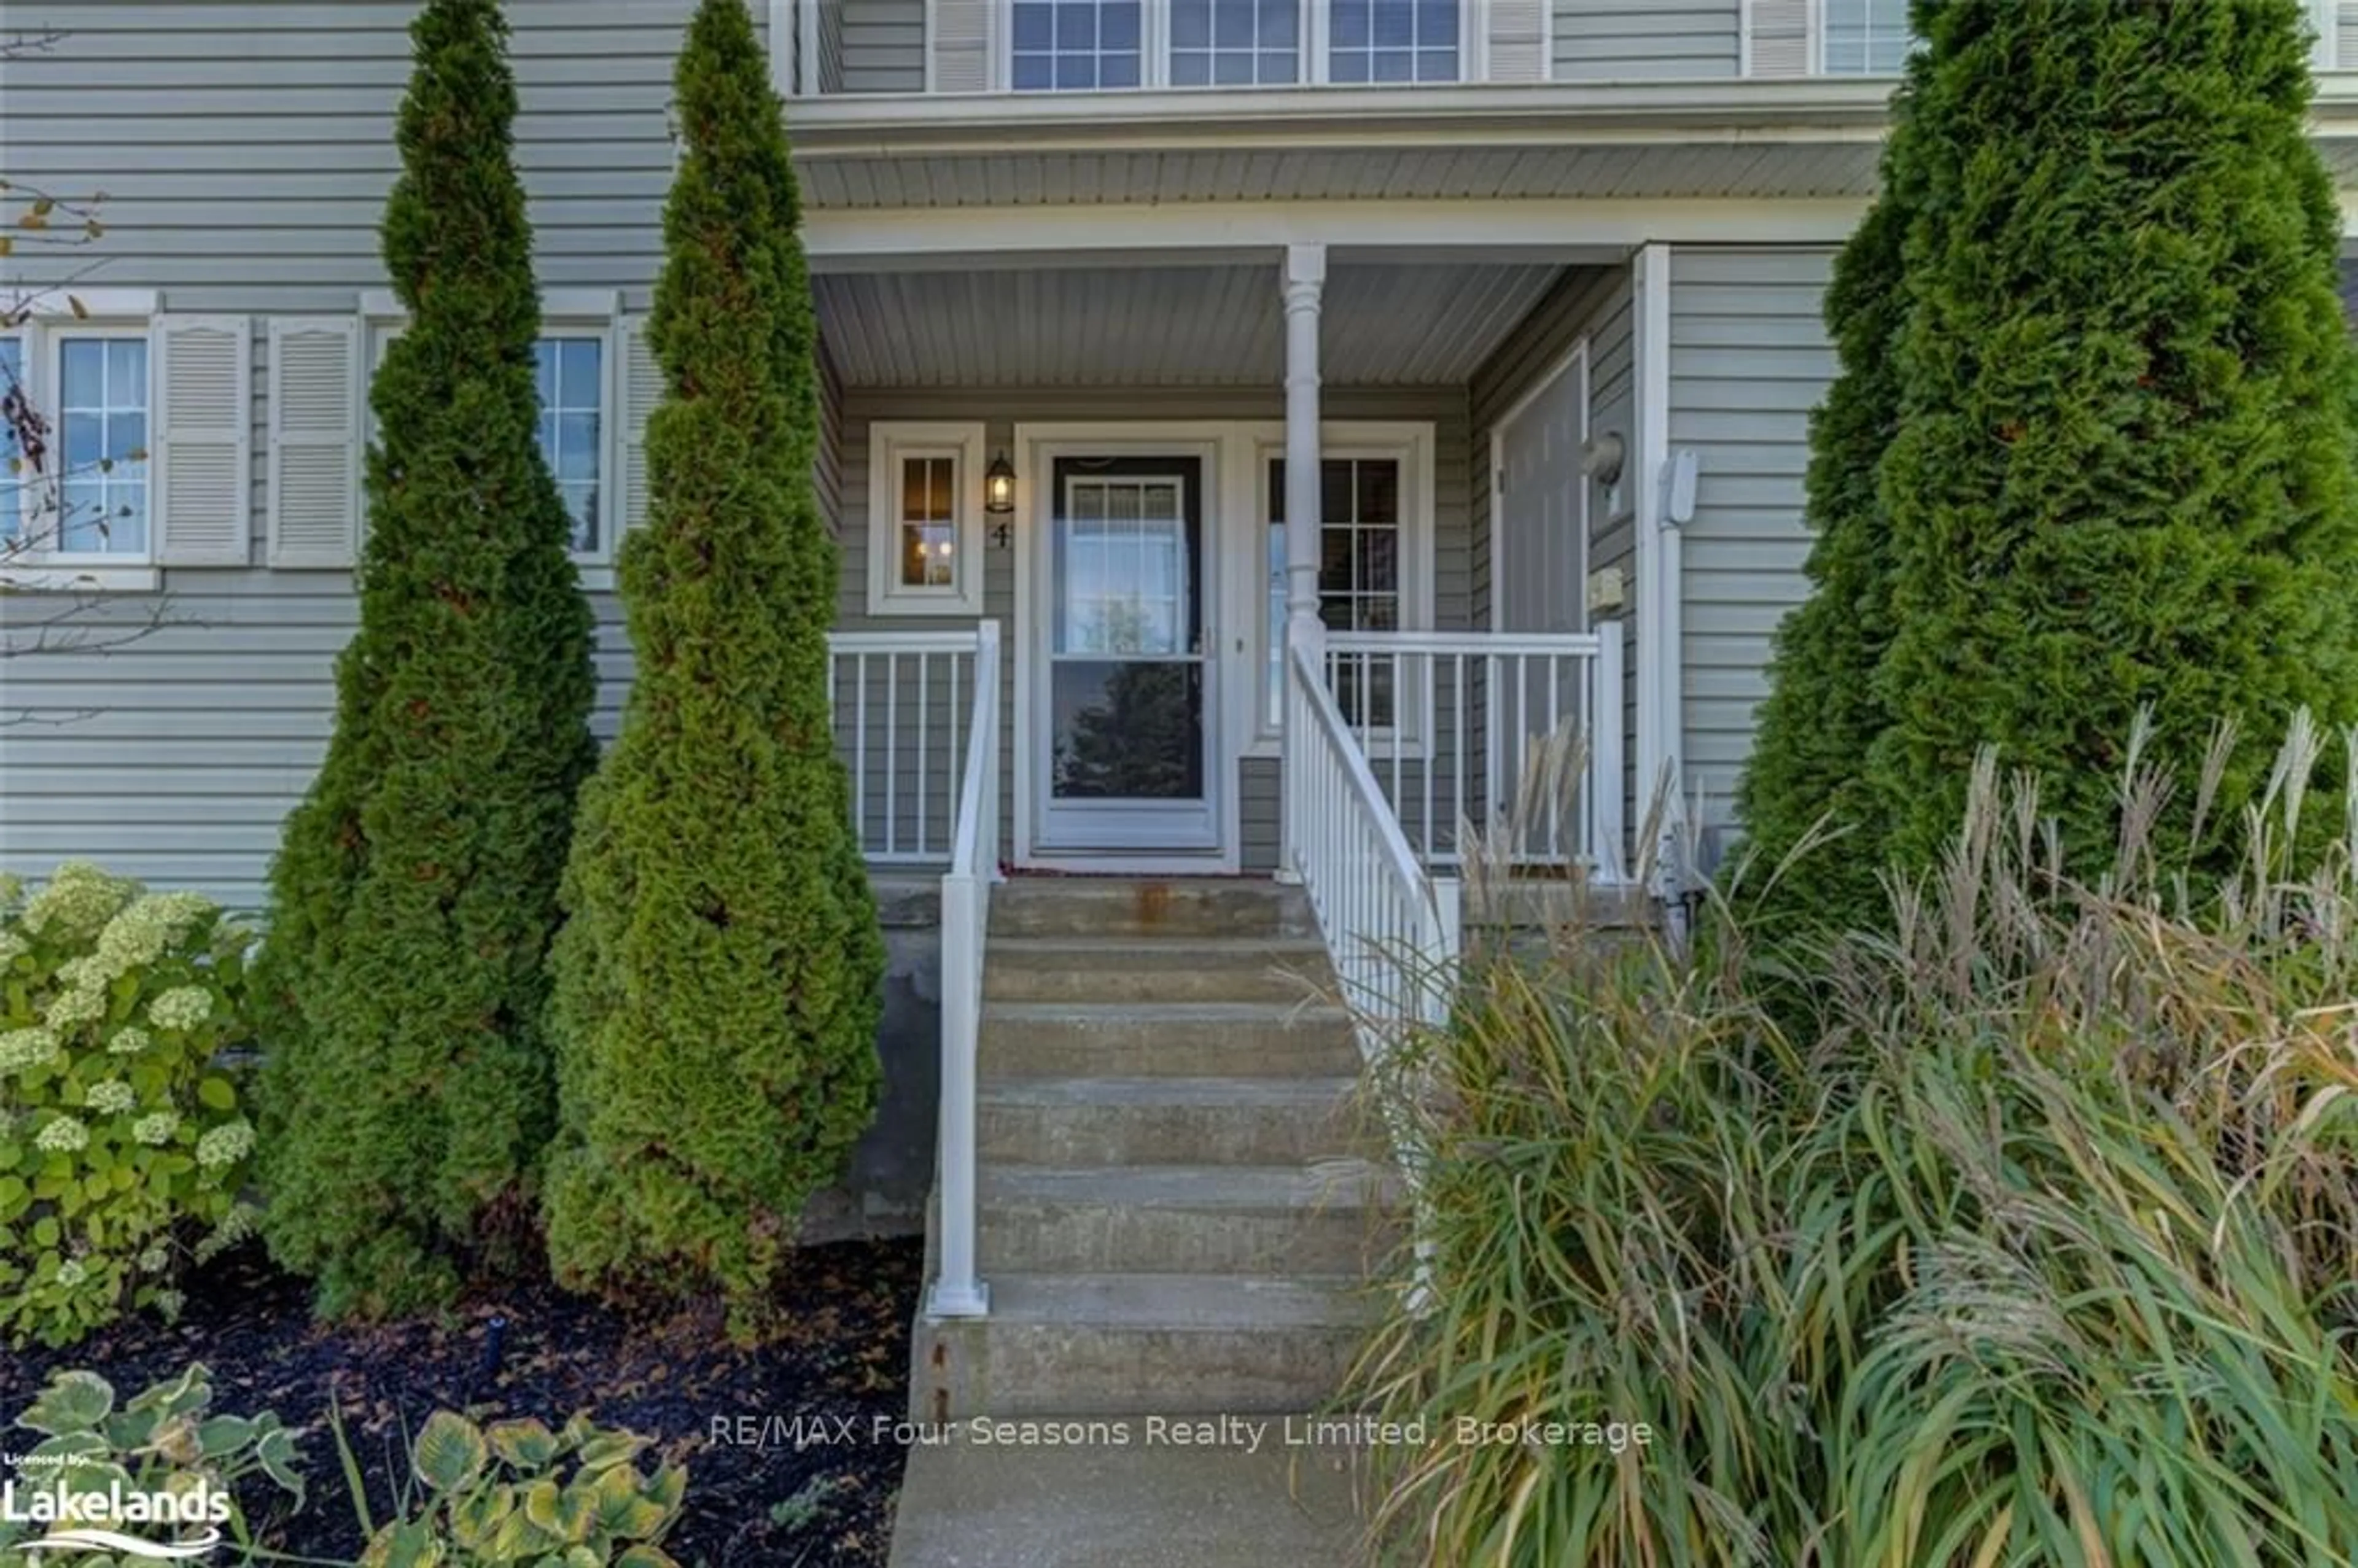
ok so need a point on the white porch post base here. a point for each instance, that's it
(1304, 286)
(970, 1301)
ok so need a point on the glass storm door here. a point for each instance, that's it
(1127, 731)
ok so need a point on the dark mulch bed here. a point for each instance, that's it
(755, 1494)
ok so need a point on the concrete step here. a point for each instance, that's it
(1078, 1040)
(1140, 1345)
(1131, 906)
(1168, 1121)
(1151, 969)
(1338, 1218)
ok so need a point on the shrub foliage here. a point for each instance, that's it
(2093, 449)
(2033, 1246)
(719, 980)
(409, 1089)
(124, 1142)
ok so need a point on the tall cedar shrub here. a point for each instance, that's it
(2122, 470)
(719, 978)
(1808, 771)
(408, 1093)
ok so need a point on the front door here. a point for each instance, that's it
(1123, 765)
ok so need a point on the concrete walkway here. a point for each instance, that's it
(1140, 1505)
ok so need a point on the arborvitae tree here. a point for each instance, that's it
(1808, 770)
(407, 1087)
(2123, 470)
(719, 978)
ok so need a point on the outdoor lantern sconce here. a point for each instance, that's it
(999, 487)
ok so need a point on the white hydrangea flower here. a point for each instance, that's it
(168, 1303)
(225, 1145)
(182, 1007)
(63, 1136)
(72, 1273)
(22, 1048)
(74, 1007)
(155, 1260)
(79, 900)
(130, 1040)
(12, 888)
(111, 1098)
(147, 928)
(13, 946)
(157, 1127)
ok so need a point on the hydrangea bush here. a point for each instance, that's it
(124, 1146)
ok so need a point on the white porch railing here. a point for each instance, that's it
(904, 723)
(965, 923)
(1453, 726)
(1390, 929)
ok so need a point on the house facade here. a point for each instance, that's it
(1290, 413)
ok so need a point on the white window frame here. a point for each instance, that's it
(13, 480)
(1315, 46)
(563, 313)
(1411, 444)
(1820, 34)
(50, 319)
(890, 444)
(601, 331)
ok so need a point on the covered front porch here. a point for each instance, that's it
(1143, 475)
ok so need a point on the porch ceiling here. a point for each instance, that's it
(1397, 325)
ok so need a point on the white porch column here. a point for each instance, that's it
(1304, 283)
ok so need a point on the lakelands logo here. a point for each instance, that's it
(119, 1519)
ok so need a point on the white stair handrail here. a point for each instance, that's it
(956, 1291)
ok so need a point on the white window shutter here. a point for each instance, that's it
(1780, 44)
(1517, 40)
(961, 46)
(315, 442)
(201, 439)
(643, 388)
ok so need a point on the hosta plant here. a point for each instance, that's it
(123, 1143)
(518, 1493)
(165, 1441)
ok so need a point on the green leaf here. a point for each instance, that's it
(523, 1444)
(217, 1094)
(610, 1448)
(410, 1544)
(450, 1452)
(183, 1395)
(74, 1401)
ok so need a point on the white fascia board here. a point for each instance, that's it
(1524, 114)
(892, 238)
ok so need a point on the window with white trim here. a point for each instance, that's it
(1234, 43)
(14, 477)
(925, 519)
(1394, 40)
(571, 377)
(1865, 37)
(1065, 45)
(1374, 568)
(99, 436)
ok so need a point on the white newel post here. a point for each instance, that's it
(1304, 283)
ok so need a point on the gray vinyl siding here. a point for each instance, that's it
(1749, 360)
(1001, 410)
(1596, 303)
(238, 143)
(1644, 40)
(883, 45)
(246, 152)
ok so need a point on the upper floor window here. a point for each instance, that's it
(1393, 40)
(1866, 37)
(1234, 43)
(1077, 45)
(1092, 45)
